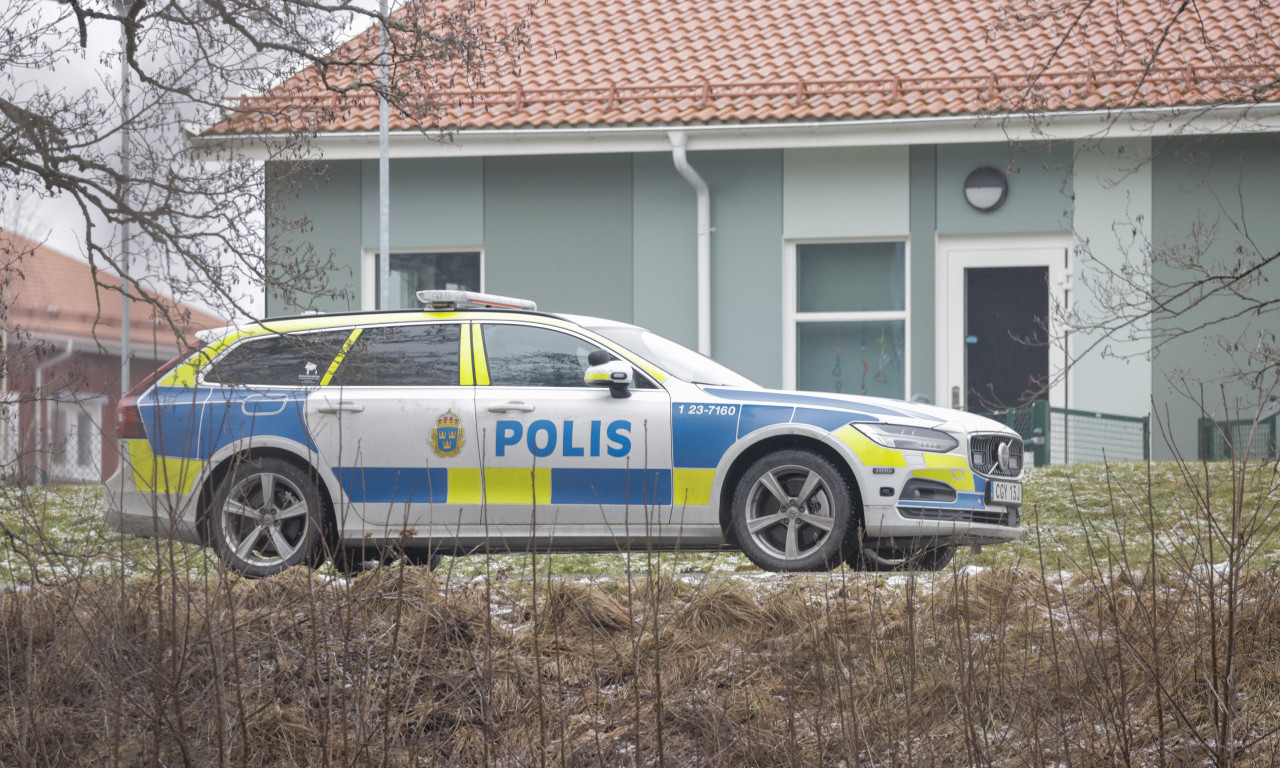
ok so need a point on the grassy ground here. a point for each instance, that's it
(1138, 625)
(1080, 517)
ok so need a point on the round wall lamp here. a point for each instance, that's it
(986, 189)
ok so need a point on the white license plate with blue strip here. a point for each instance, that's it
(1004, 492)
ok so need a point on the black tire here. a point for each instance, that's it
(872, 558)
(266, 516)
(793, 511)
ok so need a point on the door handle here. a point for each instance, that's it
(340, 406)
(514, 405)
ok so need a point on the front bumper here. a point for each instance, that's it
(887, 521)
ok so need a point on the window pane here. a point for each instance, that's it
(409, 273)
(853, 358)
(290, 360)
(524, 356)
(402, 356)
(851, 277)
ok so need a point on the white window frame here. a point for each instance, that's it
(792, 316)
(10, 436)
(369, 269)
(74, 405)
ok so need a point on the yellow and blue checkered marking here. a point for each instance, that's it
(442, 485)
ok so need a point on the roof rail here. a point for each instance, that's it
(437, 301)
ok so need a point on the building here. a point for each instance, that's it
(941, 199)
(60, 344)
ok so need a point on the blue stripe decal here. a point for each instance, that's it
(851, 405)
(611, 486)
(964, 500)
(197, 422)
(397, 485)
(698, 441)
(824, 419)
(758, 416)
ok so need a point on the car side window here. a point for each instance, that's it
(528, 356)
(282, 360)
(402, 356)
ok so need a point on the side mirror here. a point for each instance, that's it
(614, 374)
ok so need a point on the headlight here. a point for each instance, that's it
(908, 438)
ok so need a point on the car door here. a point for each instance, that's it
(566, 463)
(394, 421)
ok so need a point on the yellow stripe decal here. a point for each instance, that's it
(691, 487)
(960, 479)
(477, 352)
(945, 461)
(161, 474)
(342, 353)
(869, 452)
(464, 485)
(517, 485)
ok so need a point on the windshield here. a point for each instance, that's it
(676, 359)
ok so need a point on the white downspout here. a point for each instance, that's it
(41, 437)
(681, 160)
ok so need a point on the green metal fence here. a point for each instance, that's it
(1222, 439)
(1067, 436)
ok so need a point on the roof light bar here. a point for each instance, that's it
(437, 301)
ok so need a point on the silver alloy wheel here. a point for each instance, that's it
(789, 512)
(265, 519)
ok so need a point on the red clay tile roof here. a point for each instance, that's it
(50, 295)
(661, 62)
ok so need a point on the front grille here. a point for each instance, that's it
(985, 455)
(987, 516)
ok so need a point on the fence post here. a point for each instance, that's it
(1040, 419)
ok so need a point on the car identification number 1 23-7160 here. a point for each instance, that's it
(1004, 492)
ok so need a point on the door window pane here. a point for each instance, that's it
(409, 273)
(854, 358)
(525, 356)
(402, 356)
(851, 277)
(282, 360)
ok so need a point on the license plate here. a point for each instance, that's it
(1004, 492)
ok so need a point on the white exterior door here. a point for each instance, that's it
(999, 341)
(564, 461)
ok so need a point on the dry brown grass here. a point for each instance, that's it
(400, 667)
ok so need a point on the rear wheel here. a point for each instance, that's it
(792, 512)
(266, 517)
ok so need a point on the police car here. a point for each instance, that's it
(482, 424)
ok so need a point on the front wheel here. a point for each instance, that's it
(793, 512)
(266, 517)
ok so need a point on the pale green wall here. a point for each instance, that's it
(1112, 226)
(923, 254)
(1206, 195)
(834, 193)
(1039, 188)
(434, 203)
(665, 248)
(318, 213)
(746, 260)
(558, 230)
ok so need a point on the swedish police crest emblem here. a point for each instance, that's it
(447, 438)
